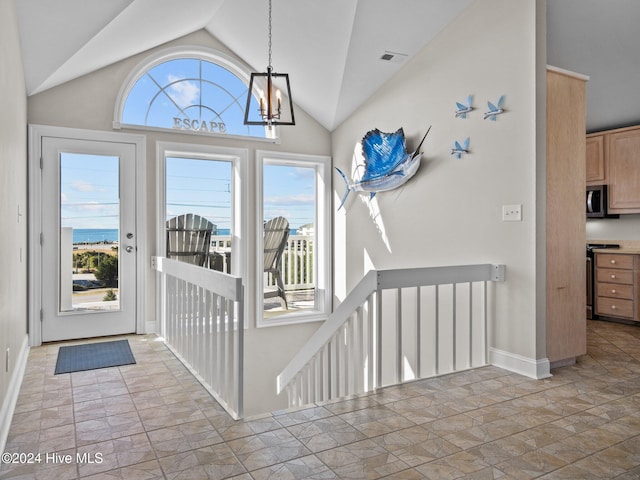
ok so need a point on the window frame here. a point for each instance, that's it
(322, 251)
(239, 158)
(185, 52)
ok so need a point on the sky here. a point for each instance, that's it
(89, 191)
(178, 90)
(204, 187)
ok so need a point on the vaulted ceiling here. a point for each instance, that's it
(331, 49)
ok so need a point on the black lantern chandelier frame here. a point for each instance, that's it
(271, 101)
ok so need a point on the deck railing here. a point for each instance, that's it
(203, 324)
(395, 326)
(296, 263)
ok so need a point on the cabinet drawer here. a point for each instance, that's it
(610, 275)
(614, 290)
(615, 307)
(608, 260)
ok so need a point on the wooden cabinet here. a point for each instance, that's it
(613, 159)
(596, 174)
(566, 325)
(618, 286)
(623, 165)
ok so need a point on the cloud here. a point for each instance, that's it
(82, 186)
(183, 92)
(302, 173)
(290, 200)
(95, 207)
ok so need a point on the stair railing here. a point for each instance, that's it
(395, 326)
(203, 325)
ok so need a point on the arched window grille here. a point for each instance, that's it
(196, 91)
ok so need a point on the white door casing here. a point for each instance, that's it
(49, 319)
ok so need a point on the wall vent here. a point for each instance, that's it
(394, 57)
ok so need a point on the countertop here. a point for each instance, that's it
(618, 251)
(628, 247)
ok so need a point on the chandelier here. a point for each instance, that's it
(272, 107)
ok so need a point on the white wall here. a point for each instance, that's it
(88, 102)
(13, 208)
(450, 212)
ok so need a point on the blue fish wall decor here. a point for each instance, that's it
(494, 109)
(387, 165)
(462, 109)
(459, 149)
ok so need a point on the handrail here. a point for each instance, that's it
(376, 280)
(203, 325)
(223, 284)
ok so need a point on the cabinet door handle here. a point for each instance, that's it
(613, 291)
(613, 307)
(613, 276)
(613, 262)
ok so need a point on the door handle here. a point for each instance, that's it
(129, 249)
(129, 236)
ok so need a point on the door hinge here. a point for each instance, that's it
(41, 162)
(41, 239)
(41, 314)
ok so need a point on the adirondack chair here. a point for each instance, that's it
(276, 234)
(189, 239)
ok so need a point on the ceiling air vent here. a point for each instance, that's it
(394, 57)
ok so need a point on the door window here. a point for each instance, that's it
(89, 232)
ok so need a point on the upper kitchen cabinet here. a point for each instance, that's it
(596, 174)
(623, 168)
(613, 159)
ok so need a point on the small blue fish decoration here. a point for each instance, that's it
(462, 109)
(494, 109)
(458, 150)
(386, 161)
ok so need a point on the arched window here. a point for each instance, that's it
(189, 89)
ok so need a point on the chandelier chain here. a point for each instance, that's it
(269, 33)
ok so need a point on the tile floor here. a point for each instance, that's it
(152, 420)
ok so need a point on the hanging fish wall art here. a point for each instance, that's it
(462, 109)
(387, 165)
(459, 149)
(494, 109)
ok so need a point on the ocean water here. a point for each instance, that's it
(107, 235)
(95, 235)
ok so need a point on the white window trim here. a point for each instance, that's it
(322, 251)
(239, 161)
(173, 53)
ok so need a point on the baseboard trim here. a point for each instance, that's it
(151, 327)
(529, 367)
(11, 398)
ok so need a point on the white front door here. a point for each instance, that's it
(88, 242)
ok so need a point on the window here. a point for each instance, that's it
(203, 182)
(293, 215)
(196, 91)
(198, 195)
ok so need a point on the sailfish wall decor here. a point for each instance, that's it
(387, 165)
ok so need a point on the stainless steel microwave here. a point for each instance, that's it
(597, 202)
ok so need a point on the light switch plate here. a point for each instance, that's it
(512, 213)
